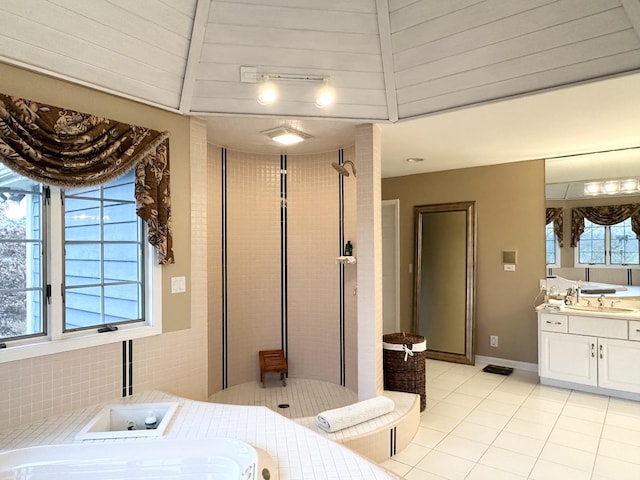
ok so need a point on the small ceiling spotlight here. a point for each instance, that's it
(325, 95)
(415, 159)
(285, 135)
(267, 93)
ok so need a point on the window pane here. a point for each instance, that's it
(81, 219)
(120, 222)
(83, 264)
(83, 307)
(103, 256)
(122, 303)
(624, 244)
(591, 245)
(21, 243)
(120, 262)
(550, 242)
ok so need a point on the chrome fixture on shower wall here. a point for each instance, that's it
(342, 170)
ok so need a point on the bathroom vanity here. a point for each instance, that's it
(591, 349)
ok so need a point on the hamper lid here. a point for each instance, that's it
(391, 339)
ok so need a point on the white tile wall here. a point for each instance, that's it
(370, 379)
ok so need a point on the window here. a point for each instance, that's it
(73, 261)
(104, 254)
(552, 247)
(21, 264)
(614, 245)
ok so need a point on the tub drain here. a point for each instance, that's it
(283, 405)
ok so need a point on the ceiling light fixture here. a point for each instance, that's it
(325, 95)
(612, 187)
(285, 135)
(267, 93)
(415, 159)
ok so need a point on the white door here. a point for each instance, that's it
(618, 365)
(571, 358)
(390, 266)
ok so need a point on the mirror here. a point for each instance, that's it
(565, 181)
(444, 280)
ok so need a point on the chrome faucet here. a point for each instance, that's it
(613, 302)
(601, 300)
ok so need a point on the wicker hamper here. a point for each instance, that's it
(404, 372)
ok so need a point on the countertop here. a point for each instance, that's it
(299, 452)
(567, 310)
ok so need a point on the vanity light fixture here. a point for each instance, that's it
(612, 187)
(285, 135)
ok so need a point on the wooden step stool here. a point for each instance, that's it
(272, 361)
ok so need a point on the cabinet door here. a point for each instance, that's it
(571, 358)
(619, 365)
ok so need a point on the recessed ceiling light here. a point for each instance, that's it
(415, 159)
(286, 135)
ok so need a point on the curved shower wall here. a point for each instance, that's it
(280, 287)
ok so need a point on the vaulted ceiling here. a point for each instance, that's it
(388, 60)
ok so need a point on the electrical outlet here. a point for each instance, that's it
(493, 341)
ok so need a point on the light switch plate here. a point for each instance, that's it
(509, 268)
(178, 284)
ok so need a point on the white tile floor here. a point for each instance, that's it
(481, 426)
(484, 426)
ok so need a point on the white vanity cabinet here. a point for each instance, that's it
(619, 365)
(600, 354)
(570, 358)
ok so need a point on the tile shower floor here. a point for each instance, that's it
(305, 398)
(481, 426)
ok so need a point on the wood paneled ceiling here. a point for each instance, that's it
(388, 60)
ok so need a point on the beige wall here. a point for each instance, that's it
(176, 361)
(510, 216)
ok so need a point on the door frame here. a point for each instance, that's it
(396, 225)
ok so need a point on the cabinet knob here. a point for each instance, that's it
(593, 347)
(553, 323)
(601, 352)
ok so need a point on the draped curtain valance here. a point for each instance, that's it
(556, 216)
(607, 215)
(65, 148)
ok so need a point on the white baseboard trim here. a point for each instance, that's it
(529, 367)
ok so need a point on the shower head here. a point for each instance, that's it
(342, 170)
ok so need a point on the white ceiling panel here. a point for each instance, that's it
(387, 60)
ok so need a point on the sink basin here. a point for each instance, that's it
(129, 421)
(597, 308)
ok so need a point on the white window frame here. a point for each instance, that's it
(56, 340)
(607, 256)
(558, 261)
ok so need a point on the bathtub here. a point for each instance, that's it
(217, 458)
(288, 450)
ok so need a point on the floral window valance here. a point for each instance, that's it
(556, 216)
(607, 215)
(65, 148)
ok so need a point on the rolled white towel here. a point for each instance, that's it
(350, 415)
